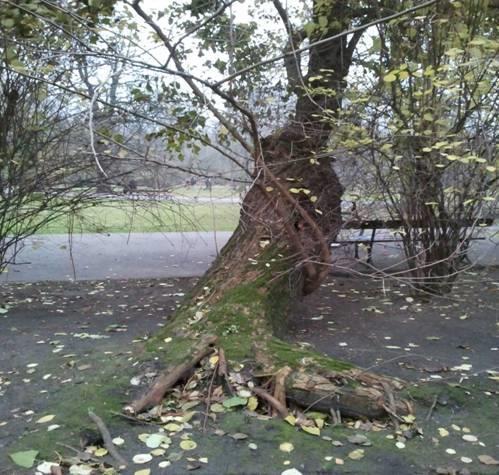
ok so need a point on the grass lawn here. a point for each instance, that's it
(199, 191)
(129, 216)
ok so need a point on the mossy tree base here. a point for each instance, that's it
(245, 321)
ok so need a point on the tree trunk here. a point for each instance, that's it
(281, 251)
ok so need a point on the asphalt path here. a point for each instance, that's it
(170, 255)
(115, 256)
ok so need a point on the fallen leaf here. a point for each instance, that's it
(46, 467)
(100, 452)
(239, 436)
(45, 419)
(142, 458)
(188, 444)
(443, 432)
(235, 401)
(286, 447)
(470, 438)
(252, 403)
(488, 460)
(80, 469)
(118, 441)
(359, 439)
(356, 454)
(155, 440)
(291, 471)
(290, 419)
(25, 458)
(158, 452)
(311, 430)
(144, 471)
(172, 427)
(466, 460)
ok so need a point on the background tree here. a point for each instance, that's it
(425, 130)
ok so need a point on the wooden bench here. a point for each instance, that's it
(375, 224)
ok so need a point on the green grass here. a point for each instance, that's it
(199, 190)
(126, 216)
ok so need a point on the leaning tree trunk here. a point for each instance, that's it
(281, 251)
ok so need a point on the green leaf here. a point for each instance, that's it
(24, 459)
(8, 22)
(235, 401)
(390, 77)
(403, 75)
(309, 28)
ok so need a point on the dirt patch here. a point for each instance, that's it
(379, 325)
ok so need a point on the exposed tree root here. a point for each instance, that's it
(169, 378)
(355, 399)
(276, 405)
(280, 387)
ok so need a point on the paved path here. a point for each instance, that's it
(166, 255)
(116, 256)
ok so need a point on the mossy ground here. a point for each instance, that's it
(472, 405)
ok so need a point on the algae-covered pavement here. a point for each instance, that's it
(60, 342)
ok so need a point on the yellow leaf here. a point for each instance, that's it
(409, 418)
(311, 430)
(172, 427)
(158, 452)
(188, 445)
(45, 419)
(313, 199)
(252, 403)
(286, 447)
(269, 189)
(144, 471)
(356, 454)
(294, 190)
(403, 75)
(100, 452)
(319, 423)
(290, 419)
(390, 77)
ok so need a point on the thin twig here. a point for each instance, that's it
(108, 441)
(210, 391)
(432, 408)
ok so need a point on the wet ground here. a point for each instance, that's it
(379, 325)
(58, 334)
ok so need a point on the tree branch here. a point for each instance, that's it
(194, 88)
(292, 61)
(327, 40)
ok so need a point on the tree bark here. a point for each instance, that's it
(281, 251)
